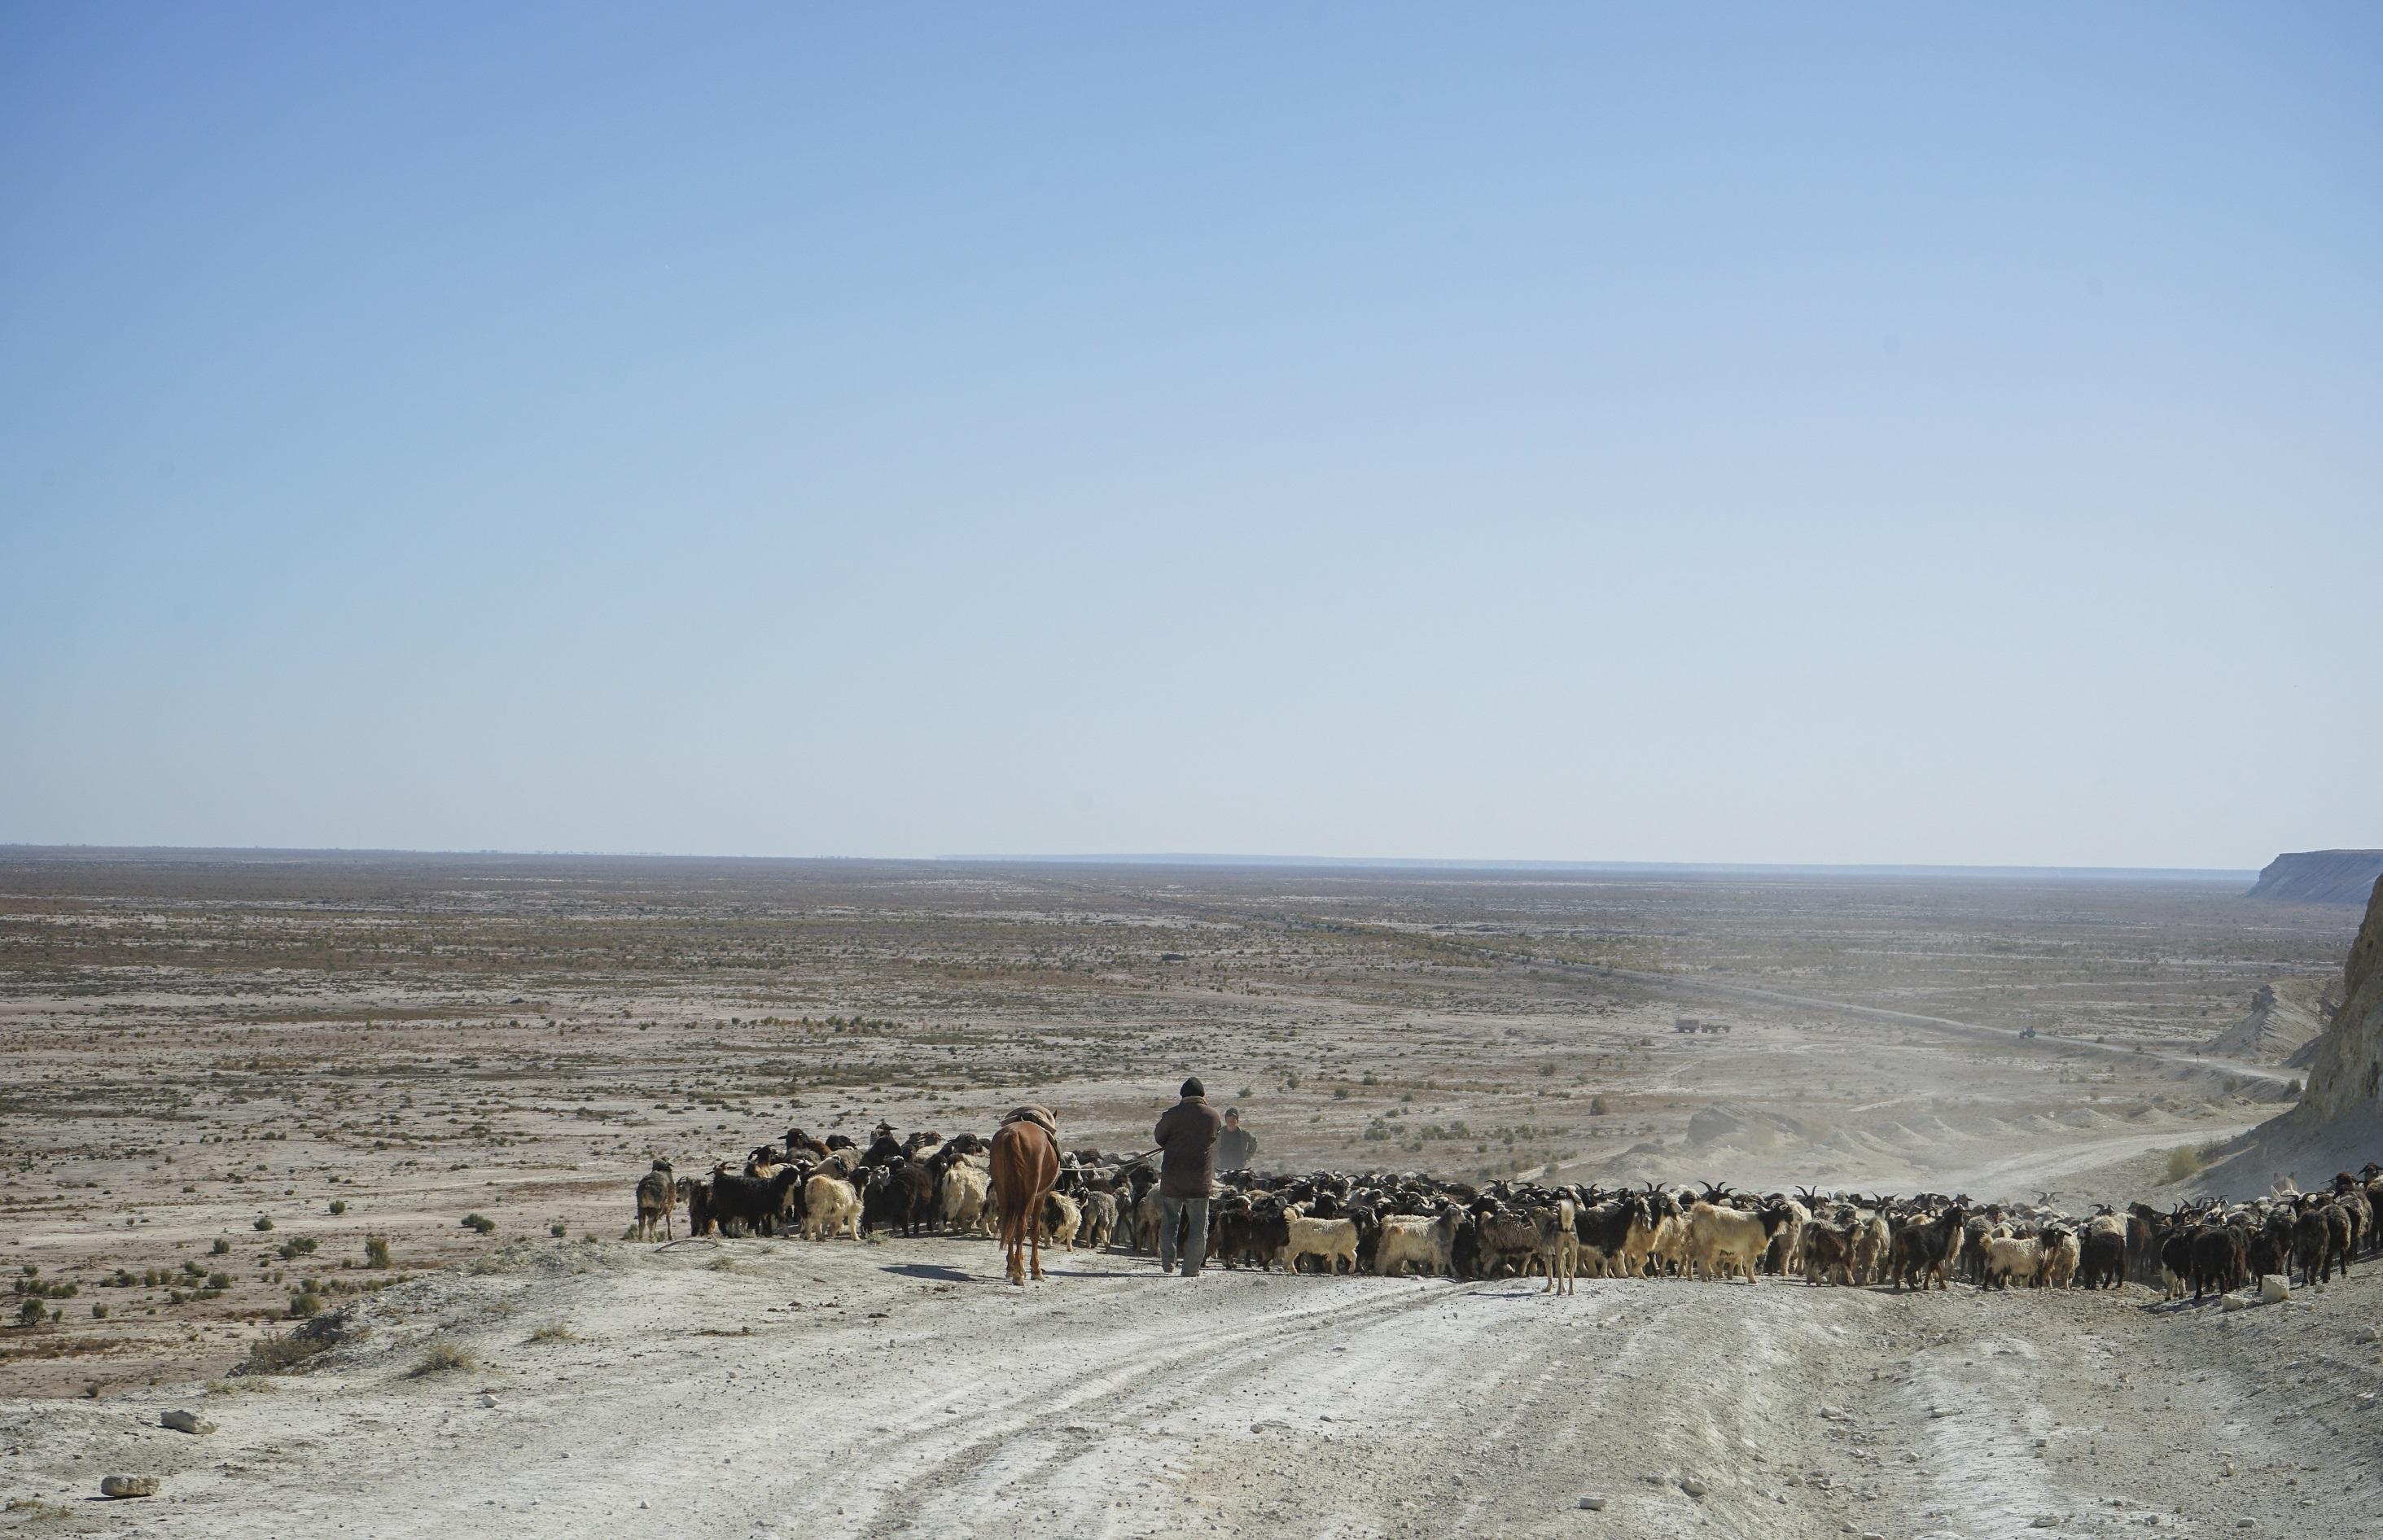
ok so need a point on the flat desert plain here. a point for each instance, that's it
(237, 1080)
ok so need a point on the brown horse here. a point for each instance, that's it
(1025, 1164)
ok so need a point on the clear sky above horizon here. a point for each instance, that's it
(1838, 434)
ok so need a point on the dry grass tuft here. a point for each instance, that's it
(442, 1356)
(278, 1353)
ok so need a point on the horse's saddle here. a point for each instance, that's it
(1040, 1117)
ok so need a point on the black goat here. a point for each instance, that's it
(759, 1204)
(2101, 1259)
(1921, 1249)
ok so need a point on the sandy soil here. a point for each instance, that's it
(784, 1389)
(199, 1045)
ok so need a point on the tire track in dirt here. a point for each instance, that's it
(1121, 1393)
(1113, 1402)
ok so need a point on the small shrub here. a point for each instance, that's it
(442, 1356)
(554, 1331)
(264, 1222)
(376, 1250)
(2182, 1162)
(222, 1247)
(1599, 1107)
(339, 1205)
(305, 1304)
(479, 1222)
(99, 1313)
(31, 1313)
(1340, 1093)
(558, 1228)
(277, 1353)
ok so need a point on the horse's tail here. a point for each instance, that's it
(1013, 1219)
(1010, 1186)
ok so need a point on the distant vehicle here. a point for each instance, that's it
(2027, 1031)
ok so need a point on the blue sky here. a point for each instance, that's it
(1828, 434)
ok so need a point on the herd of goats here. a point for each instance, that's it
(1388, 1223)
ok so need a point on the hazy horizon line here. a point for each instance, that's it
(1213, 859)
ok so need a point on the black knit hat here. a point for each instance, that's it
(1193, 1088)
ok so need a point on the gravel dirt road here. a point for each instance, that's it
(764, 1388)
(1747, 993)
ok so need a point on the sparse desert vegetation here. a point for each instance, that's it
(273, 1062)
(445, 1357)
(248, 1090)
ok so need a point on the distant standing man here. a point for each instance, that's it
(1187, 1133)
(1236, 1146)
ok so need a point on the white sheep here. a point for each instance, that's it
(1410, 1239)
(1331, 1241)
(962, 1197)
(832, 1207)
(1726, 1241)
(2009, 1259)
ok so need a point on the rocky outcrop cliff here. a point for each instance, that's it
(2348, 1073)
(2319, 876)
(2338, 1124)
(2285, 1017)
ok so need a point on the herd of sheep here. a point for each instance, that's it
(1389, 1223)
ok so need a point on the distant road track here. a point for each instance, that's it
(1671, 983)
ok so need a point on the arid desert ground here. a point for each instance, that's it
(229, 1073)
